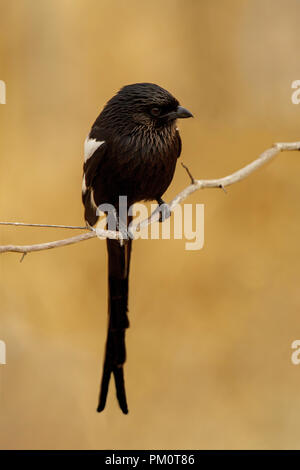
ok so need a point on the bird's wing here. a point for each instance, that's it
(94, 153)
(178, 143)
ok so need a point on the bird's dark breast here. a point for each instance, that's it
(140, 167)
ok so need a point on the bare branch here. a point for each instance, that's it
(47, 246)
(56, 244)
(238, 175)
(195, 185)
(22, 224)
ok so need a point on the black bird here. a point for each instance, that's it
(131, 150)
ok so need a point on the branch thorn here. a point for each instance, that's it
(221, 186)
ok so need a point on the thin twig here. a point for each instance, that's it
(233, 178)
(188, 172)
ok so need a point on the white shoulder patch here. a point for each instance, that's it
(90, 146)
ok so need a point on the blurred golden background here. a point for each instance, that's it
(209, 348)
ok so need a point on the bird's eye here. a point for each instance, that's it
(155, 111)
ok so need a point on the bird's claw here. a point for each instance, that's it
(164, 210)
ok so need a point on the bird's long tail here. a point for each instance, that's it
(115, 353)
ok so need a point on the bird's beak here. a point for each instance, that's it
(183, 113)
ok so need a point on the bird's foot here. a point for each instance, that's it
(164, 210)
(115, 223)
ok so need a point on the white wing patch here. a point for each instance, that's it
(90, 146)
(84, 188)
(93, 200)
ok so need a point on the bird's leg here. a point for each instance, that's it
(123, 228)
(164, 209)
(115, 223)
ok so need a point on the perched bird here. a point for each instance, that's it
(131, 150)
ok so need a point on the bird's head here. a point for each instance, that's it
(144, 104)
